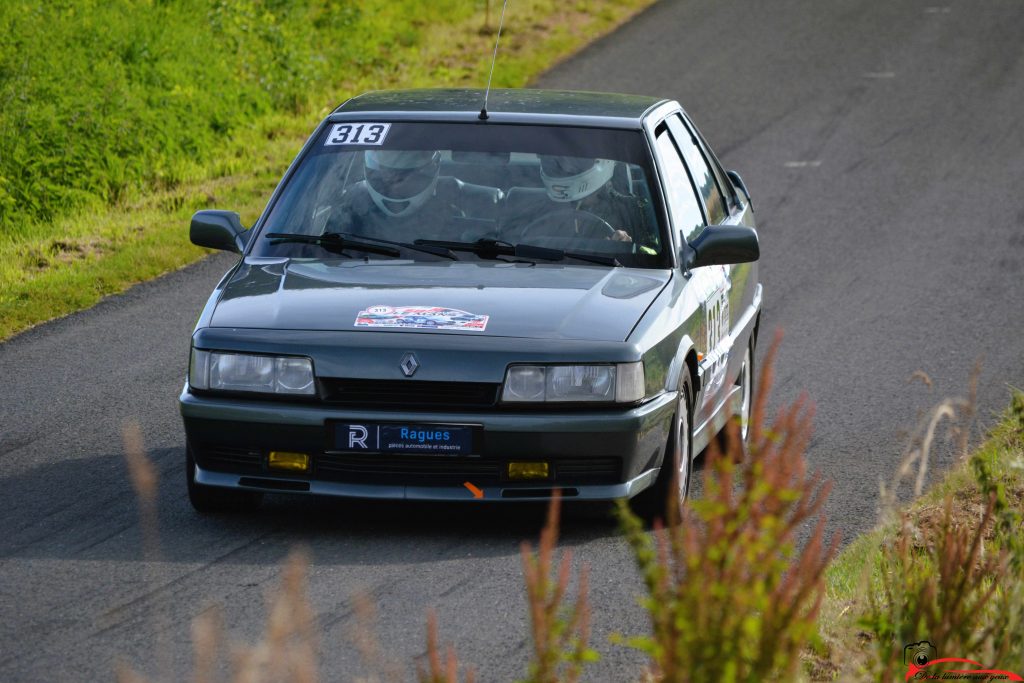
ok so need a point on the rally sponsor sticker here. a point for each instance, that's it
(421, 318)
(357, 134)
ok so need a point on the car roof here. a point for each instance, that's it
(556, 107)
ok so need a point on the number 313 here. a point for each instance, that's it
(357, 134)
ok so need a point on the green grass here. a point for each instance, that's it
(119, 119)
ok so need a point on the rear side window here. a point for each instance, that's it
(702, 176)
(724, 184)
(682, 202)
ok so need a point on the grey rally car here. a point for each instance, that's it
(440, 303)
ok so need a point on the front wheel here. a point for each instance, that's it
(745, 383)
(210, 499)
(673, 482)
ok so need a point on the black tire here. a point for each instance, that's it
(213, 499)
(651, 504)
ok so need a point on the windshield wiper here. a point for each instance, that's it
(334, 242)
(436, 250)
(491, 249)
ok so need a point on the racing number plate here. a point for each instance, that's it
(375, 437)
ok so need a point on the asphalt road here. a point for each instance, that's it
(884, 146)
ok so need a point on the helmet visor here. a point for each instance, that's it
(401, 183)
(565, 167)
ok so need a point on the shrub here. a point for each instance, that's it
(730, 595)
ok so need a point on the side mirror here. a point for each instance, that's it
(722, 245)
(737, 181)
(218, 230)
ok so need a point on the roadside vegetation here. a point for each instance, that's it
(947, 569)
(119, 119)
(741, 584)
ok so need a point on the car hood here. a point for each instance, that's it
(493, 298)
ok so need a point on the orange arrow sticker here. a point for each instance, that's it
(477, 493)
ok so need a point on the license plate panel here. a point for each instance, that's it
(403, 438)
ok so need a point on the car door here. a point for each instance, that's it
(688, 220)
(717, 280)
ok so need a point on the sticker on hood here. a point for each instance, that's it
(421, 318)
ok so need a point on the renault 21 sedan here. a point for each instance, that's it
(442, 303)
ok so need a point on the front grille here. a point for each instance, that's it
(402, 469)
(226, 459)
(588, 470)
(372, 393)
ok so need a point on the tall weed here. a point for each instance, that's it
(560, 634)
(731, 594)
(440, 670)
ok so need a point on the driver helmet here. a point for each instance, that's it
(400, 182)
(569, 179)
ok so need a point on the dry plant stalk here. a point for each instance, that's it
(959, 412)
(560, 634)
(436, 672)
(730, 596)
(288, 651)
(207, 637)
(363, 634)
(145, 483)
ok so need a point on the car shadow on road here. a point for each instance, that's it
(85, 508)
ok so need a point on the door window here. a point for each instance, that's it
(702, 176)
(682, 202)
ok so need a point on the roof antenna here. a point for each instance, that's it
(483, 112)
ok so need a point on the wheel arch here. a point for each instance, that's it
(685, 360)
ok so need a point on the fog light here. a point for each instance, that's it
(293, 462)
(528, 470)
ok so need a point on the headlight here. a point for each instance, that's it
(222, 371)
(621, 383)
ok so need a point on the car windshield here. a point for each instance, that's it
(572, 192)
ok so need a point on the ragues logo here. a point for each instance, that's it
(924, 664)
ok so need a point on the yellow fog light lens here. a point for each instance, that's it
(293, 462)
(528, 470)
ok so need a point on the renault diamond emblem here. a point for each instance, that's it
(409, 364)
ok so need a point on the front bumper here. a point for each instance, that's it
(594, 455)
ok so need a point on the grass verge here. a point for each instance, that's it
(94, 243)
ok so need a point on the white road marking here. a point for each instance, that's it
(803, 164)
